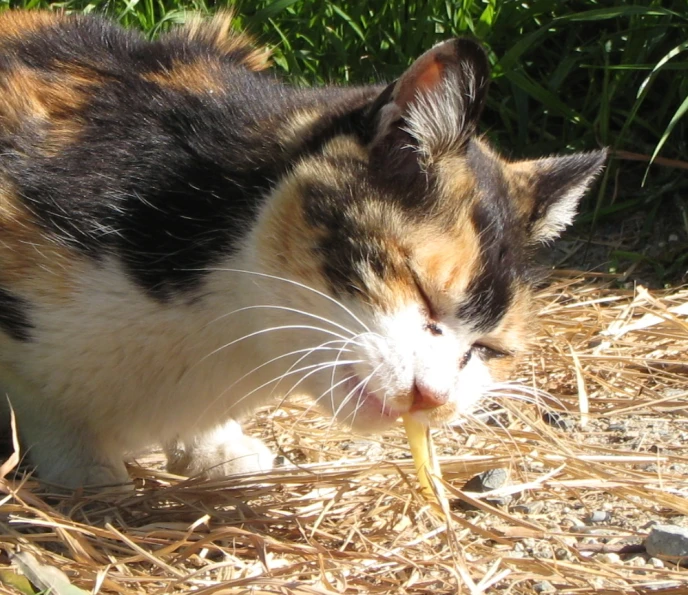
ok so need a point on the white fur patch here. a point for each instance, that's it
(437, 119)
(224, 451)
(398, 353)
(558, 216)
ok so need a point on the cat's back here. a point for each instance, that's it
(93, 46)
(64, 77)
(111, 144)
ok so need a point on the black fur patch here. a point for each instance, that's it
(14, 318)
(345, 245)
(491, 290)
(166, 179)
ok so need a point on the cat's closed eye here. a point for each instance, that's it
(486, 351)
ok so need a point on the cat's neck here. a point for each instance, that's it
(261, 138)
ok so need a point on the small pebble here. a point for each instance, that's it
(599, 516)
(636, 561)
(673, 237)
(543, 550)
(656, 563)
(561, 553)
(544, 587)
(575, 523)
(609, 558)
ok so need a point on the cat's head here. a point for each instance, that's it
(421, 237)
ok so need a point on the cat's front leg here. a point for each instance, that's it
(66, 452)
(67, 455)
(223, 451)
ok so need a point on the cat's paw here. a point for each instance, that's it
(224, 451)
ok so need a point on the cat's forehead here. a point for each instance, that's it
(454, 233)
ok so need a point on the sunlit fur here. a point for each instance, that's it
(184, 238)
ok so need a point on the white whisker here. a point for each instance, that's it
(315, 401)
(286, 309)
(306, 351)
(313, 367)
(359, 387)
(268, 330)
(298, 284)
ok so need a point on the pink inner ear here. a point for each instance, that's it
(429, 77)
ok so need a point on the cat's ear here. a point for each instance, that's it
(433, 108)
(557, 184)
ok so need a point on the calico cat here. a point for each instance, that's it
(184, 237)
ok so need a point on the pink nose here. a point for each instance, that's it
(426, 398)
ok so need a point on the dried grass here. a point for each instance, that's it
(348, 518)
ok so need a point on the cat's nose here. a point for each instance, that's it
(425, 397)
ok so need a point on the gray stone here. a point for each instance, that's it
(668, 542)
(485, 482)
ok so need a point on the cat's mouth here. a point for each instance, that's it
(363, 404)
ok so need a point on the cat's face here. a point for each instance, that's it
(420, 236)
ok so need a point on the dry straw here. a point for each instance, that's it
(346, 515)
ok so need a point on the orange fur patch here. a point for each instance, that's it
(196, 77)
(283, 238)
(519, 178)
(30, 262)
(53, 101)
(512, 334)
(291, 132)
(447, 262)
(19, 23)
(218, 32)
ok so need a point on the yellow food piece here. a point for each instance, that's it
(423, 453)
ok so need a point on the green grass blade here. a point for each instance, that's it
(680, 112)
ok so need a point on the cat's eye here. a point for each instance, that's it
(488, 352)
